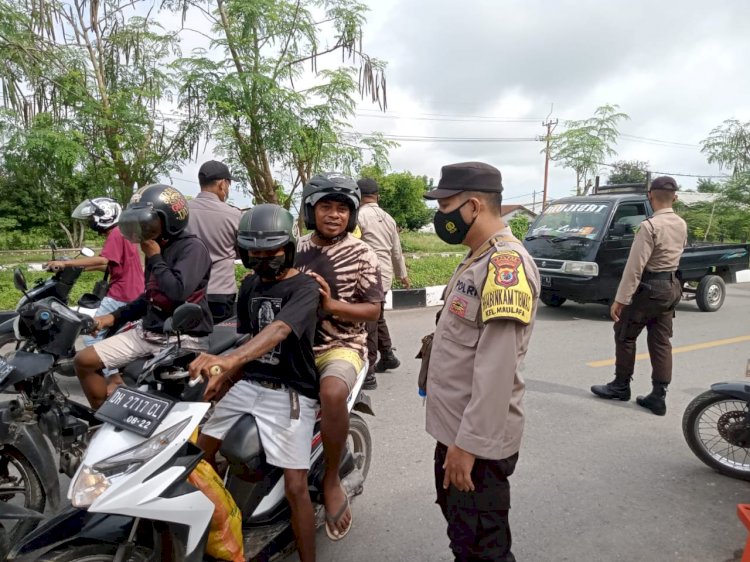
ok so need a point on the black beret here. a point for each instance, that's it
(664, 182)
(368, 186)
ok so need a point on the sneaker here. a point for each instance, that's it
(371, 383)
(387, 361)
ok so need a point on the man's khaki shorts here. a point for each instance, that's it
(122, 349)
(344, 364)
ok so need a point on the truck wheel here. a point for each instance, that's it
(551, 300)
(710, 293)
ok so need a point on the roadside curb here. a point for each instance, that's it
(397, 299)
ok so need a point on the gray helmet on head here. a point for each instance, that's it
(266, 227)
(102, 213)
(333, 186)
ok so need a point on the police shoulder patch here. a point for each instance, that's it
(506, 294)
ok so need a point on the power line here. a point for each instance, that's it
(446, 118)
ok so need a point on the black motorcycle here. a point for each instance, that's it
(716, 425)
(58, 286)
(47, 330)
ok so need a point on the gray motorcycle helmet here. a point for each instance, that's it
(330, 185)
(266, 227)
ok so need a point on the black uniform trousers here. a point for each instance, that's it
(378, 338)
(478, 526)
(652, 308)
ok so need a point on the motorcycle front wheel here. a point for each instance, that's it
(93, 553)
(20, 485)
(715, 427)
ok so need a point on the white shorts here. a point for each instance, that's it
(286, 442)
(122, 349)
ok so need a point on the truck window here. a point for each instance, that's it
(572, 220)
(630, 214)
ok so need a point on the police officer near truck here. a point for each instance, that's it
(474, 389)
(646, 298)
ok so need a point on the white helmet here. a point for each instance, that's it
(102, 213)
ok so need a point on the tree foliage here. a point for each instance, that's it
(401, 196)
(728, 145)
(519, 225)
(98, 68)
(266, 102)
(628, 171)
(585, 144)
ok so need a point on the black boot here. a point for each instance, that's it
(618, 389)
(387, 361)
(656, 401)
(371, 383)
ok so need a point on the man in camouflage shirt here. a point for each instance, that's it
(351, 294)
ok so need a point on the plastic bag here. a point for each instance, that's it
(225, 534)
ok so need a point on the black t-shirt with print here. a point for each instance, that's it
(294, 301)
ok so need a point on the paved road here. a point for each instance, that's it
(596, 480)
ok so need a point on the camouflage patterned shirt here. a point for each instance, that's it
(351, 269)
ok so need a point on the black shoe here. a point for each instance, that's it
(371, 383)
(656, 401)
(387, 361)
(618, 389)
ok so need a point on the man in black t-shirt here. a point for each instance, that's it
(273, 375)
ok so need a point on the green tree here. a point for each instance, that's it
(707, 185)
(401, 196)
(273, 112)
(98, 68)
(585, 144)
(728, 145)
(519, 225)
(628, 171)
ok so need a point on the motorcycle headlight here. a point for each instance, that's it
(583, 268)
(93, 481)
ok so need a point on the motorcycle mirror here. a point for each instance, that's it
(87, 252)
(186, 318)
(19, 281)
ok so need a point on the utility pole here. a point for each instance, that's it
(550, 127)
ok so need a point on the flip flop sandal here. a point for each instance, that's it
(334, 534)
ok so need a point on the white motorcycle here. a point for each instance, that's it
(131, 501)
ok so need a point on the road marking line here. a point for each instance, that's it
(675, 350)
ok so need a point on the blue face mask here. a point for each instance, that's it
(451, 227)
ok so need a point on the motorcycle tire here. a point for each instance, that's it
(35, 497)
(97, 552)
(360, 443)
(691, 429)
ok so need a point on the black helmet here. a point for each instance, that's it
(330, 185)
(151, 207)
(266, 227)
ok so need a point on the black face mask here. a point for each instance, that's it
(451, 227)
(268, 268)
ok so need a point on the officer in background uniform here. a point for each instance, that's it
(647, 296)
(474, 389)
(380, 232)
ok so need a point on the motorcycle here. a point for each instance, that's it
(130, 499)
(716, 426)
(42, 414)
(9, 512)
(58, 286)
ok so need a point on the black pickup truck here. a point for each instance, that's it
(581, 245)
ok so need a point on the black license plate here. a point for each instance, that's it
(134, 410)
(546, 281)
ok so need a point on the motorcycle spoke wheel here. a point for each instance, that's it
(716, 429)
(20, 486)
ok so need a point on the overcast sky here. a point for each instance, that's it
(471, 69)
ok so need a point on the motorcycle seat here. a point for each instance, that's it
(133, 370)
(222, 338)
(242, 447)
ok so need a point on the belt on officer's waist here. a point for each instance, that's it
(658, 275)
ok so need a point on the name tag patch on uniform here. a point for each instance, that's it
(506, 293)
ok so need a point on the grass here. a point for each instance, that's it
(9, 295)
(429, 270)
(424, 242)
